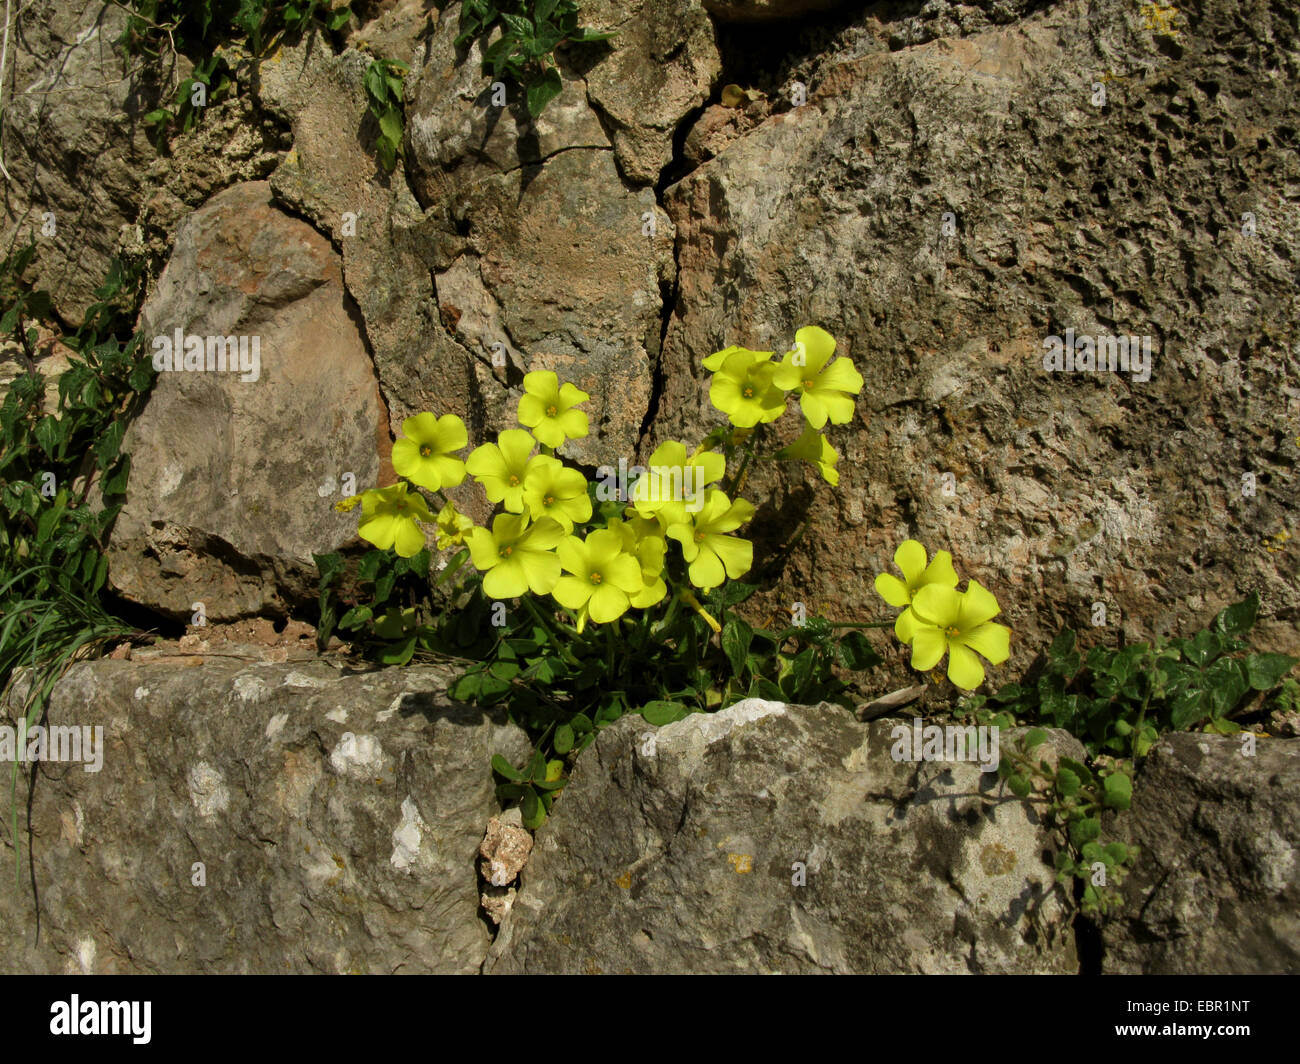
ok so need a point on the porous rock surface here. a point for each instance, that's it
(779, 838)
(333, 815)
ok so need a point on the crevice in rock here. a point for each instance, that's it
(1087, 936)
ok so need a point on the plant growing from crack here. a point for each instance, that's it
(530, 31)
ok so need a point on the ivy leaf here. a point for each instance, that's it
(543, 91)
(1265, 671)
(1238, 619)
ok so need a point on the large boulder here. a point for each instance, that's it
(254, 817)
(231, 489)
(776, 838)
(945, 210)
(1216, 886)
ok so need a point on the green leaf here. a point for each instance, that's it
(398, 653)
(1019, 786)
(390, 125)
(1078, 768)
(736, 637)
(1062, 646)
(1239, 618)
(563, 739)
(1067, 783)
(581, 723)
(1034, 738)
(534, 815)
(855, 653)
(1084, 831)
(1265, 671)
(1119, 791)
(543, 91)
(503, 768)
(1117, 852)
(660, 712)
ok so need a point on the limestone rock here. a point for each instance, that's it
(74, 146)
(230, 490)
(944, 209)
(258, 818)
(775, 838)
(1216, 888)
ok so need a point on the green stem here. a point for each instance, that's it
(551, 637)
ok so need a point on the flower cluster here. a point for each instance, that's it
(938, 619)
(547, 537)
(752, 390)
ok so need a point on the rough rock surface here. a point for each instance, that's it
(230, 492)
(943, 209)
(71, 144)
(1216, 889)
(336, 813)
(677, 849)
(76, 148)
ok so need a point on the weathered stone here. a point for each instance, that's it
(659, 68)
(77, 150)
(757, 10)
(942, 210)
(335, 814)
(1216, 887)
(230, 491)
(680, 849)
(73, 147)
(504, 850)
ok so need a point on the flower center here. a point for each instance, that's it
(425, 450)
(514, 481)
(808, 384)
(596, 578)
(748, 391)
(507, 551)
(549, 500)
(552, 410)
(699, 537)
(952, 631)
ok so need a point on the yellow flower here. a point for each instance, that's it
(672, 477)
(711, 553)
(961, 625)
(389, 516)
(824, 391)
(602, 577)
(516, 556)
(546, 408)
(552, 490)
(715, 361)
(452, 526)
(813, 447)
(742, 387)
(643, 539)
(910, 559)
(501, 467)
(424, 456)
